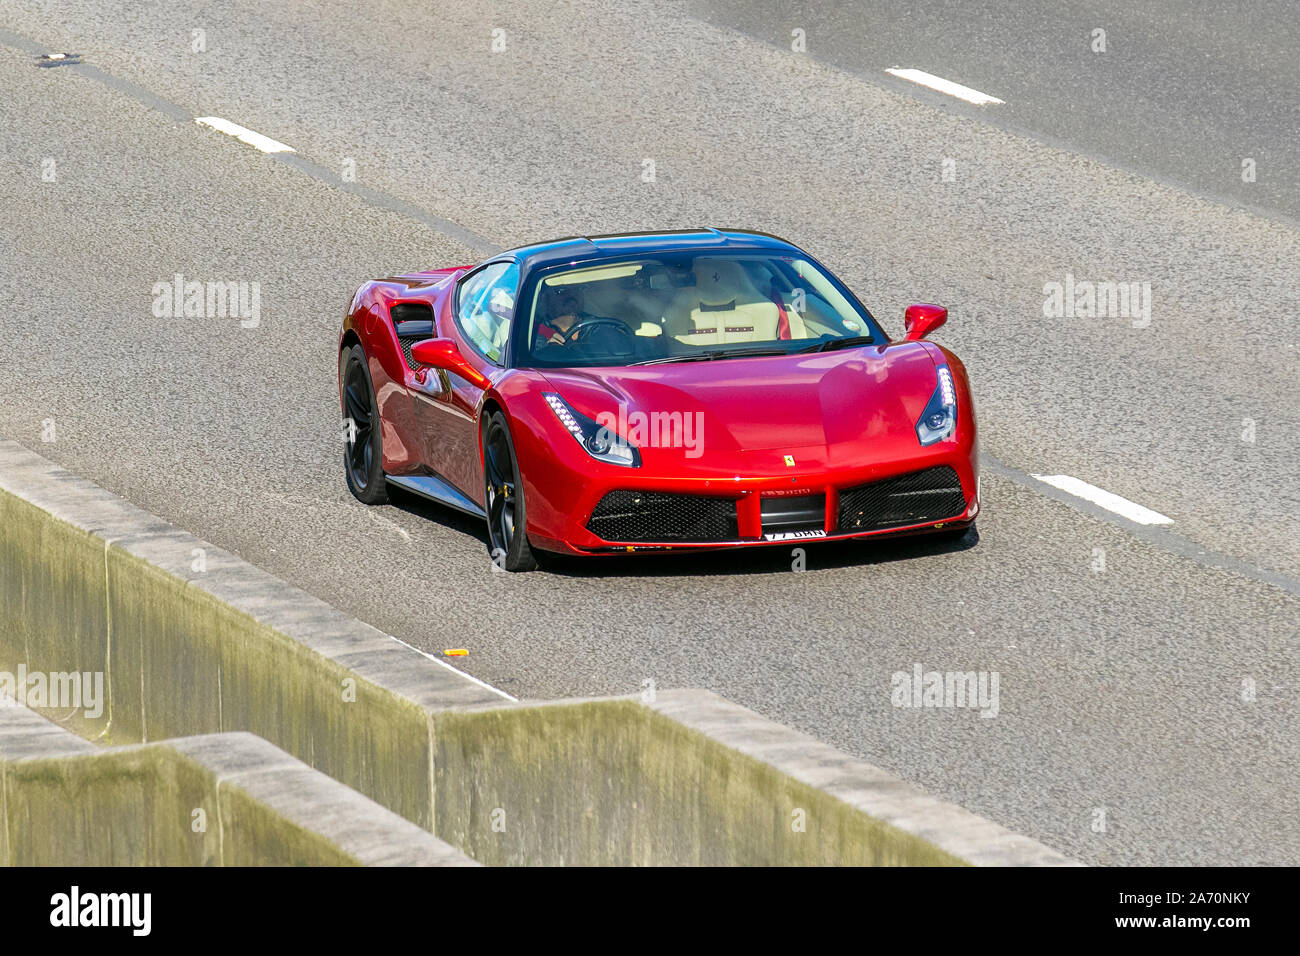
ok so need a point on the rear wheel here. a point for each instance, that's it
(363, 457)
(503, 498)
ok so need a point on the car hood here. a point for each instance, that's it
(827, 401)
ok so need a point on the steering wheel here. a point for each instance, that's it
(594, 321)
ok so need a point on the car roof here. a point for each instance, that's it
(583, 248)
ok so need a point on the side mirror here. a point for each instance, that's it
(922, 319)
(443, 354)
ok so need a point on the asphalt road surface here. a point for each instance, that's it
(1147, 673)
(1181, 92)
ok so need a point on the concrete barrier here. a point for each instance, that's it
(223, 799)
(689, 779)
(88, 581)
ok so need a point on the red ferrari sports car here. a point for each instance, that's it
(657, 391)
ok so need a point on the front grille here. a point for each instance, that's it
(660, 516)
(915, 498)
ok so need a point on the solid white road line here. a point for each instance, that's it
(945, 86)
(1099, 496)
(256, 140)
(469, 677)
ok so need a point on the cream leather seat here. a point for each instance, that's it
(724, 307)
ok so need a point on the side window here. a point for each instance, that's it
(486, 306)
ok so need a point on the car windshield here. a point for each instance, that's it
(686, 307)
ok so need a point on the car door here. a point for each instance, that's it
(477, 317)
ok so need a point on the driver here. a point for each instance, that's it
(561, 309)
(562, 320)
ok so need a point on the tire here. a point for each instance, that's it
(503, 499)
(363, 455)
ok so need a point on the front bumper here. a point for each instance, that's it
(576, 506)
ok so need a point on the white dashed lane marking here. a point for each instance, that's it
(945, 86)
(1104, 499)
(244, 135)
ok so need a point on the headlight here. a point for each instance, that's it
(939, 420)
(601, 443)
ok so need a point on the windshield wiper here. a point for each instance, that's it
(711, 355)
(831, 345)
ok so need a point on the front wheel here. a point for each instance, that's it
(504, 499)
(363, 456)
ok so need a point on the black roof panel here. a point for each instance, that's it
(584, 248)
